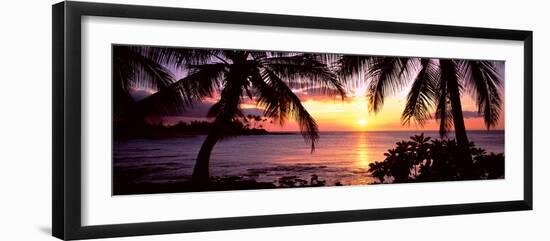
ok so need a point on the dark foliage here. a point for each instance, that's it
(294, 181)
(421, 159)
(181, 129)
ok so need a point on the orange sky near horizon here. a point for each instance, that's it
(333, 114)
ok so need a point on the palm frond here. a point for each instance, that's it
(267, 98)
(131, 68)
(352, 66)
(227, 109)
(484, 83)
(258, 55)
(180, 57)
(279, 102)
(305, 71)
(202, 81)
(331, 60)
(421, 97)
(236, 56)
(387, 76)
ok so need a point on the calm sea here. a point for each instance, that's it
(339, 156)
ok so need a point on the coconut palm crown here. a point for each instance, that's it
(232, 77)
(437, 86)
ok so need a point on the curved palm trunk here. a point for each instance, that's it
(458, 122)
(201, 171)
(227, 108)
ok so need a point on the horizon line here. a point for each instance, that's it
(450, 132)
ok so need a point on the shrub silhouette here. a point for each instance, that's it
(422, 159)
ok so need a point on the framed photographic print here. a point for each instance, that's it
(170, 120)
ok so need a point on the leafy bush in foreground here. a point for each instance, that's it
(421, 159)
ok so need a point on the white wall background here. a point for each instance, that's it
(25, 119)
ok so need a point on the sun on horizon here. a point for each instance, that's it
(362, 122)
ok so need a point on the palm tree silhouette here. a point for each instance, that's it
(437, 84)
(143, 67)
(266, 78)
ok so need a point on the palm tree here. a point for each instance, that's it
(266, 78)
(437, 84)
(138, 67)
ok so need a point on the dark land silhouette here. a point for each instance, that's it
(141, 130)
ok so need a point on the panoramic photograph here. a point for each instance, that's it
(199, 119)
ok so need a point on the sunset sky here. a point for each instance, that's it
(333, 114)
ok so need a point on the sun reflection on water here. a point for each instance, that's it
(362, 151)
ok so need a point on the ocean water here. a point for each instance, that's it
(339, 156)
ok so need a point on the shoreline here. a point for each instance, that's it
(235, 183)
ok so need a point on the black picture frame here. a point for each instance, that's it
(66, 169)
